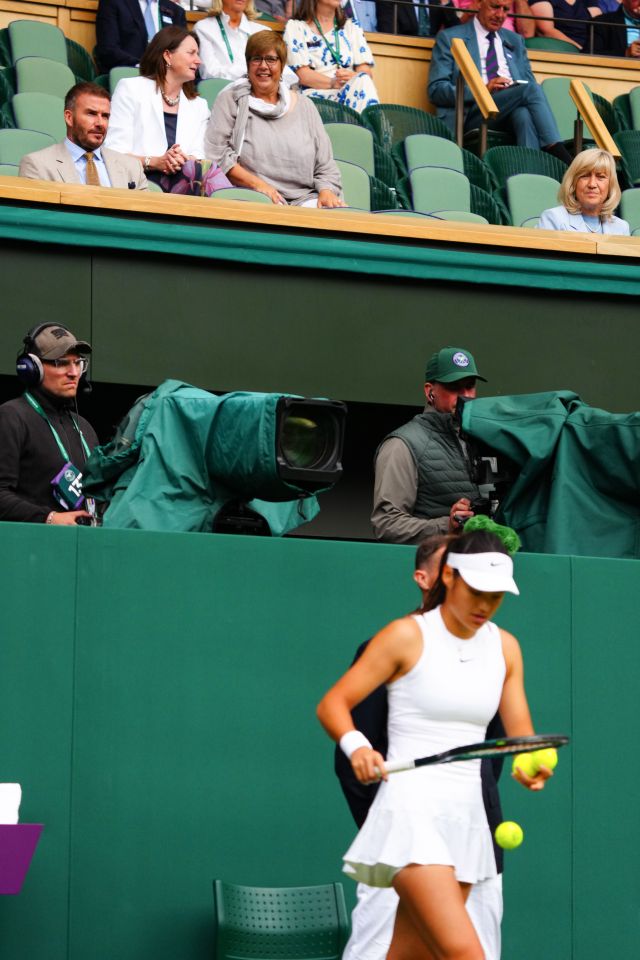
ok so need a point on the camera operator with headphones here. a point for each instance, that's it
(423, 483)
(44, 443)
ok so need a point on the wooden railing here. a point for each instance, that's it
(470, 75)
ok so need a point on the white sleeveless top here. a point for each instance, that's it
(435, 814)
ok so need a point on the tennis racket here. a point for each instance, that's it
(478, 751)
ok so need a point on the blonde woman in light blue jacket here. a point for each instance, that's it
(589, 193)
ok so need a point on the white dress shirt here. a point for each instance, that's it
(482, 36)
(79, 159)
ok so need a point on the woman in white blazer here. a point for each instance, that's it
(589, 193)
(158, 116)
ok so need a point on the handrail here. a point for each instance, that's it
(588, 112)
(470, 75)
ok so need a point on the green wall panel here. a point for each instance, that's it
(38, 604)
(160, 697)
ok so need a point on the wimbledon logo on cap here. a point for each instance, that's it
(460, 359)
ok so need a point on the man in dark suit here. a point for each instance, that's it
(618, 34)
(124, 28)
(501, 58)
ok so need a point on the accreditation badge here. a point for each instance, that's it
(67, 487)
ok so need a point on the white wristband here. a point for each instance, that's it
(352, 741)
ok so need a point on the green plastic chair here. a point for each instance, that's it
(608, 113)
(14, 144)
(38, 75)
(240, 193)
(40, 111)
(391, 123)
(279, 922)
(332, 112)
(550, 43)
(6, 60)
(7, 84)
(630, 209)
(403, 213)
(528, 194)
(438, 188)
(209, 89)
(634, 108)
(9, 170)
(505, 162)
(385, 166)
(154, 187)
(475, 171)
(556, 90)
(628, 143)
(79, 61)
(356, 186)
(121, 73)
(485, 205)
(352, 143)
(461, 216)
(32, 38)
(425, 150)
(622, 108)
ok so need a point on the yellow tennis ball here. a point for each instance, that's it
(509, 835)
(546, 758)
(526, 763)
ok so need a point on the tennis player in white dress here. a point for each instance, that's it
(447, 672)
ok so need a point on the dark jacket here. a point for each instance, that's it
(121, 33)
(407, 22)
(611, 35)
(30, 458)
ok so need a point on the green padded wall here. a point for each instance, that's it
(158, 698)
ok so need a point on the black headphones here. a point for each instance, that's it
(28, 364)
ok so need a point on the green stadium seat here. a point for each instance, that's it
(385, 166)
(154, 187)
(121, 73)
(279, 922)
(630, 209)
(439, 188)
(485, 205)
(403, 213)
(80, 62)
(32, 38)
(332, 112)
(622, 108)
(209, 89)
(556, 90)
(608, 113)
(39, 75)
(425, 150)
(476, 171)
(14, 144)
(382, 196)
(528, 194)
(550, 43)
(6, 59)
(505, 162)
(40, 111)
(628, 143)
(352, 143)
(356, 186)
(9, 170)
(392, 123)
(7, 84)
(240, 193)
(634, 108)
(461, 216)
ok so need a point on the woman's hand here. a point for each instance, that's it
(327, 198)
(368, 765)
(173, 160)
(343, 75)
(269, 191)
(532, 783)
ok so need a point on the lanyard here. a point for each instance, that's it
(225, 37)
(36, 406)
(335, 52)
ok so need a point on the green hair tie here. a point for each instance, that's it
(509, 537)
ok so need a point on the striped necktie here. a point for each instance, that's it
(91, 175)
(491, 61)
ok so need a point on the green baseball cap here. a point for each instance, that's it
(451, 364)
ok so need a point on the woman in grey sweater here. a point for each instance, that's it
(270, 139)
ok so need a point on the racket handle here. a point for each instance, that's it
(396, 766)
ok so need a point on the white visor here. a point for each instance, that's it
(489, 572)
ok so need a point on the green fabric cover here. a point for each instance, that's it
(182, 453)
(577, 489)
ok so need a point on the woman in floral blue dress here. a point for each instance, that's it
(329, 53)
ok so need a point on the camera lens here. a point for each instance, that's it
(304, 441)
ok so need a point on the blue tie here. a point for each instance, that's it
(491, 62)
(151, 25)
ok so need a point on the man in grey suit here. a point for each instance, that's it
(501, 58)
(81, 158)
